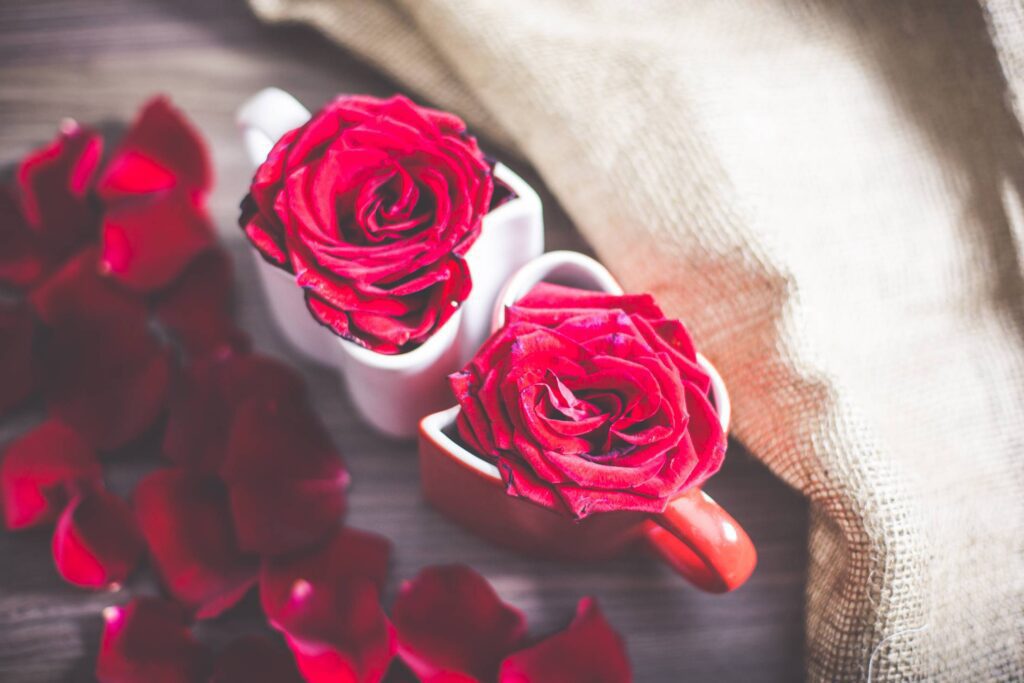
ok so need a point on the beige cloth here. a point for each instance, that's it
(827, 192)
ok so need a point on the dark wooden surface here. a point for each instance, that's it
(97, 60)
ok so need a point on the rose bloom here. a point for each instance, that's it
(372, 205)
(590, 402)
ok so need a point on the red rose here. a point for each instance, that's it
(372, 205)
(590, 402)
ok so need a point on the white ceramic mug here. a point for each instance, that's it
(392, 392)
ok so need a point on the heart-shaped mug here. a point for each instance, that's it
(694, 535)
(392, 392)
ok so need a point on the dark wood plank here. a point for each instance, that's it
(97, 60)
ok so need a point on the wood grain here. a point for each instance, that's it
(98, 60)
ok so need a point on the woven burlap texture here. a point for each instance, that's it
(827, 193)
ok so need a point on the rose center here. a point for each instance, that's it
(389, 207)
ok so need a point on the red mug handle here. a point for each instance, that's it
(702, 542)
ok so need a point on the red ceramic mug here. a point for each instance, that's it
(694, 535)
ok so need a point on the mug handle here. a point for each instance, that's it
(702, 542)
(265, 117)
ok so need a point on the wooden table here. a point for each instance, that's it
(97, 60)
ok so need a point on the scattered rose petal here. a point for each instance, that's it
(255, 659)
(148, 641)
(110, 386)
(347, 553)
(286, 479)
(17, 368)
(77, 294)
(185, 520)
(326, 602)
(41, 471)
(96, 543)
(451, 623)
(588, 651)
(160, 152)
(196, 309)
(55, 181)
(204, 399)
(337, 632)
(22, 262)
(147, 244)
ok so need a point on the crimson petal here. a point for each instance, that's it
(55, 182)
(96, 543)
(161, 151)
(78, 294)
(347, 553)
(147, 244)
(185, 521)
(588, 651)
(41, 471)
(197, 308)
(204, 399)
(109, 386)
(450, 622)
(17, 333)
(326, 602)
(254, 659)
(286, 480)
(148, 640)
(337, 632)
(545, 295)
(22, 262)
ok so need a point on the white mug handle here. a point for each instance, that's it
(265, 117)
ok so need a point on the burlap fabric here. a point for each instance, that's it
(827, 192)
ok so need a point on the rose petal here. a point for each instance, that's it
(265, 237)
(254, 659)
(273, 518)
(109, 386)
(196, 308)
(17, 367)
(522, 482)
(546, 295)
(78, 294)
(286, 479)
(161, 151)
(22, 261)
(345, 554)
(583, 502)
(148, 640)
(55, 182)
(451, 622)
(185, 520)
(96, 543)
(41, 471)
(326, 602)
(338, 633)
(706, 433)
(147, 244)
(588, 651)
(204, 399)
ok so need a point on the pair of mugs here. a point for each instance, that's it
(694, 535)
